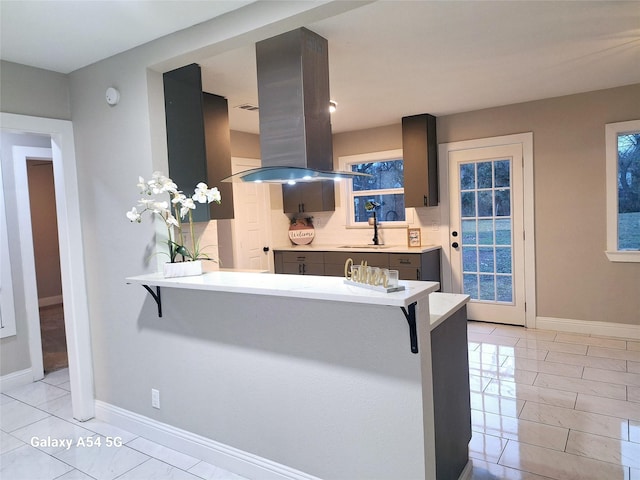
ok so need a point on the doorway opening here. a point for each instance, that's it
(44, 228)
(489, 252)
(60, 143)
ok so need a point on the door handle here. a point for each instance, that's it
(265, 249)
(455, 245)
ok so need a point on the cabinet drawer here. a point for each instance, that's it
(299, 268)
(405, 260)
(408, 273)
(337, 258)
(303, 257)
(334, 269)
(373, 259)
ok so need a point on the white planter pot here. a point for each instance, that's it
(182, 269)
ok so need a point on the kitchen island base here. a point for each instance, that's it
(325, 386)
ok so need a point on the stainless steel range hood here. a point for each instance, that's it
(295, 123)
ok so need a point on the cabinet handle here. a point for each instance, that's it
(426, 201)
(300, 268)
(417, 274)
(304, 269)
(404, 261)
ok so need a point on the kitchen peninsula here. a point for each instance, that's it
(324, 377)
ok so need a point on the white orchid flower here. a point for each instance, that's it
(171, 220)
(200, 193)
(169, 186)
(214, 195)
(160, 184)
(160, 207)
(158, 177)
(187, 205)
(133, 215)
(179, 197)
(155, 187)
(142, 185)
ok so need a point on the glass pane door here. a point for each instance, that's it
(486, 226)
(485, 211)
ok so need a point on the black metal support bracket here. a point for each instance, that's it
(411, 320)
(156, 297)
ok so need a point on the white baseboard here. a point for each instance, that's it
(15, 379)
(604, 329)
(47, 301)
(224, 456)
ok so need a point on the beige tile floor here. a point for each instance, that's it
(553, 405)
(545, 405)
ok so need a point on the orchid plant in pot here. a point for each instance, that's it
(177, 215)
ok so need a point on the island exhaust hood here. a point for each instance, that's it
(295, 123)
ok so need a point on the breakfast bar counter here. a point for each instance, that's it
(311, 376)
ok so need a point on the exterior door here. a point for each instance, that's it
(487, 232)
(252, 217)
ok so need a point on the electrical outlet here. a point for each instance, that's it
(155, 398)
(434, 226)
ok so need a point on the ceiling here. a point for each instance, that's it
(387, 59)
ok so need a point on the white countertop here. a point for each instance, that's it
(443, 305)
(312, 247)
(294, 286)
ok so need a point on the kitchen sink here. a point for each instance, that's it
(367, 246)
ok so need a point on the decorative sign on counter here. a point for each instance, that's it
(413, 237)
(373, 278)
(301, 231)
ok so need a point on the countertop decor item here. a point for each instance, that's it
(413, 237)
(301, 231)
(173, 213)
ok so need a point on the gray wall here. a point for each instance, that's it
(33, 91)
(575, 280)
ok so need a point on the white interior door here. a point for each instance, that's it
(487, 232)
(252, 220)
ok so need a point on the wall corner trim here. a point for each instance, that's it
(585, 327)
(224, 456)
(16, 379)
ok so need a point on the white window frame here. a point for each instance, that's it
(382, 156)
(612, 130)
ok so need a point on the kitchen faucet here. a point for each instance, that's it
(371, 206)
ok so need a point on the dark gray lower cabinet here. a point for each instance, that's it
(451, 396)
(299, 263)
(417, 266)
(411, 266)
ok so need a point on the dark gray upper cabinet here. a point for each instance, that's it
(198, 139)
(309, 197)
(420, 153)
